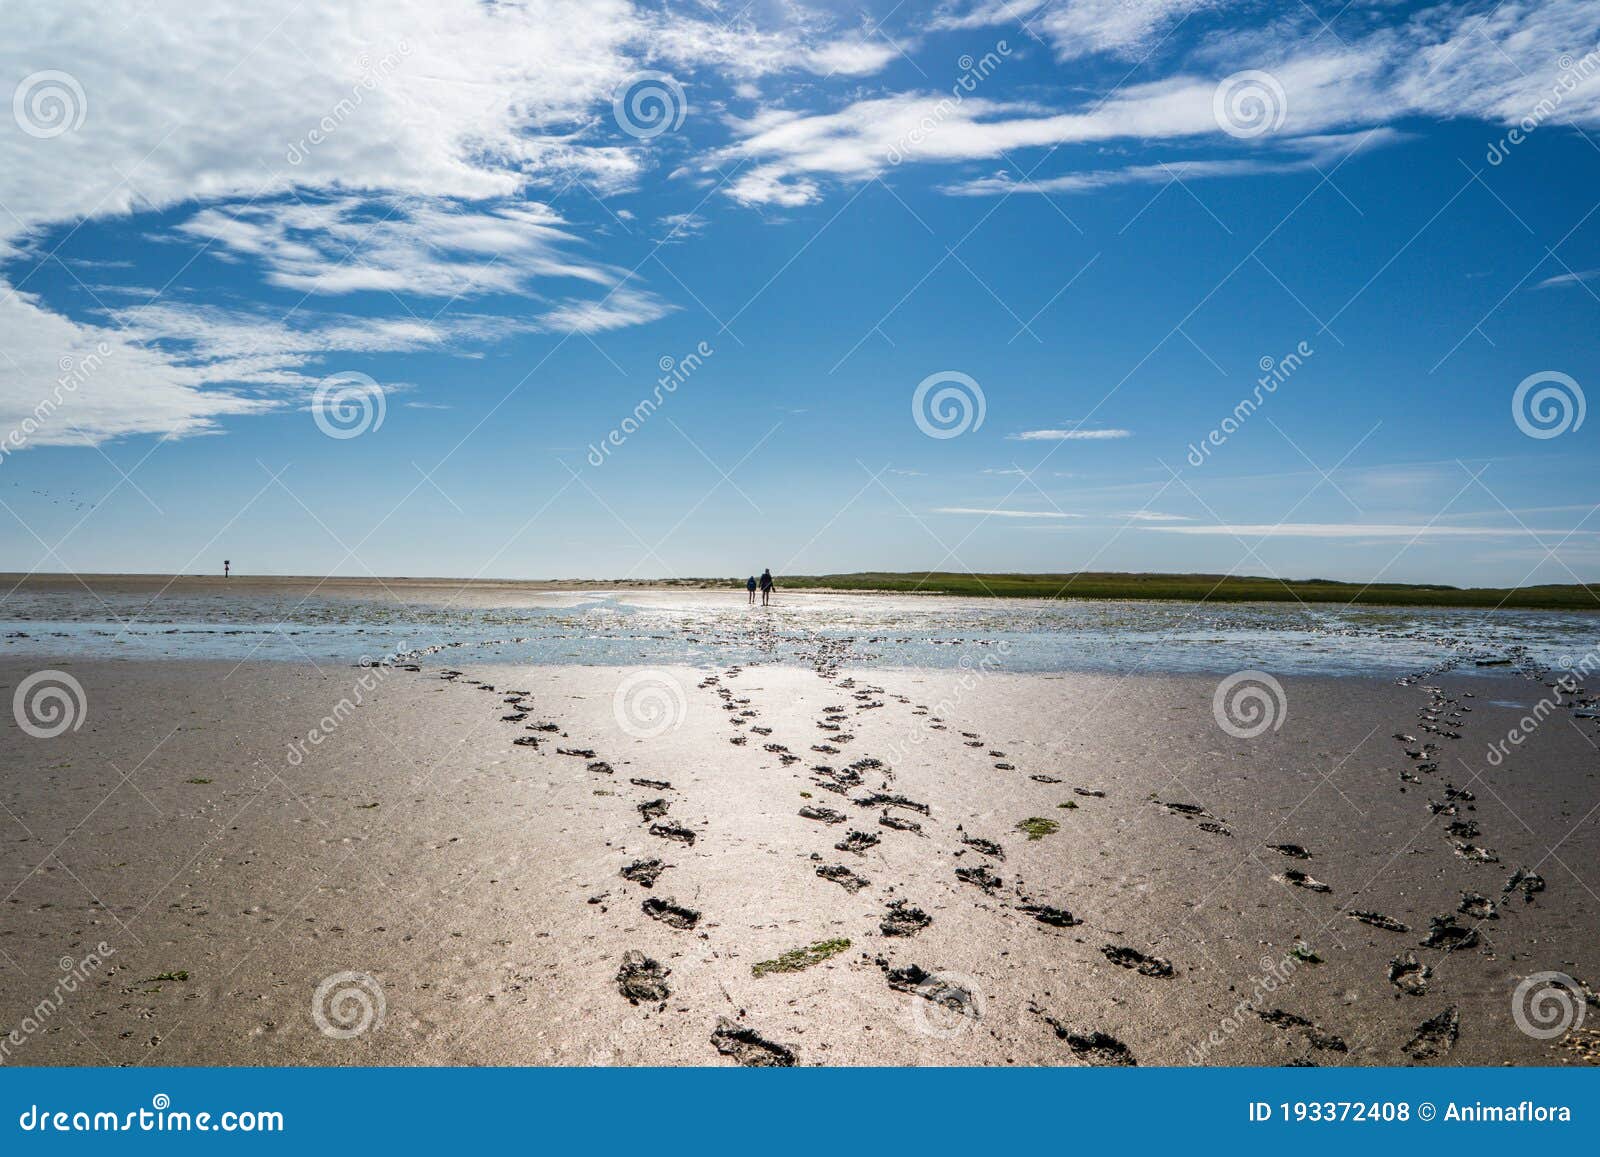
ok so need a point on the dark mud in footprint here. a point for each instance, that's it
(655, 809)
(844, 877)
(670, 912)
(750, 1048)
(857, 842)
(980, 877)
(1094, 1048)
(641, 979)
(1435, 1036)
(1409, 975)
(1315, 1035)
(1478, 907)
(1133, 958)
(930, 986)
(879, 799)
(898, 824)
(825, 814)
(643, 872)
(1300, 880)
(987, 847)
(673, 832)
(1045, 914)
(1379, 920)
(1293, 851)
(657, 784)
(904, 920)
(1444, 932)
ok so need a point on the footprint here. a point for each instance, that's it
(670, 831)
(1445, 933)
(643, 872)
(920, 982)
(898, 824)
(1379, 920)
(658, 784)
(654, 809)
(642, 979)
(1409, 975)
(1133, 958)
(1478, 907)
(670, 912)
(1045, 914)
(750, 1048)
(980, 877)
(904, 920)
(1293, 851)
(987, 847)
(844, 877)
(1435, 1036)
(826, 814)
(1300, 880)
(857, 842)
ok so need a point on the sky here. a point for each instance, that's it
(603, 290)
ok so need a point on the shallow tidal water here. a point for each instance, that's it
(711, 628)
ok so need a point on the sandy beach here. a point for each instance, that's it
(287, 863)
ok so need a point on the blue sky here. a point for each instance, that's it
(1103, 215)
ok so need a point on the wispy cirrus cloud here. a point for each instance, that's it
(1361, 530)
(1072, 434)
(992, 513)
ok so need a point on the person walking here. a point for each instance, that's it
(766, 586)
(750, 589)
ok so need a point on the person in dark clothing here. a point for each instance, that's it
(750, 589)
(766, 586)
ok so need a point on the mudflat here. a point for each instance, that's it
(275, 863)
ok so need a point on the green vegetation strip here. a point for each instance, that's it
(1197, 587)
(799, 958)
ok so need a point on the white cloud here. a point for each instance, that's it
(1359, 530)
(1154, 516)
(1078, 28)
(1319, 153)
(1445, 63)
(1004, 513)
(408, 134)
(1578, 277)
(1072, 435)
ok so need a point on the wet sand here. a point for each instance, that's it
(470, 886)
